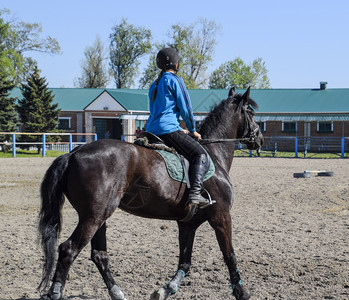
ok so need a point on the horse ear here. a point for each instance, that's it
(231, 92)
(246, 96)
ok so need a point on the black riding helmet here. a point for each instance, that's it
(167, 59)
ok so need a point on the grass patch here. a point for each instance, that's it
(27, 153)
(284, 154)
(237, 153)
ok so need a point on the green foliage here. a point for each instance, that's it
(94, 74)
(128, 43)
(10, 60)
(36, 110)
(150, 73)
(8, 115)
(240, 75)
(195, 44)
(17, 39)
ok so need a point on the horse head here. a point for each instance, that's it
(248, 130)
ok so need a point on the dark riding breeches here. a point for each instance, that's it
(198, 161)
(184, 145)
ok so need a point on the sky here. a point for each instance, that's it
(302, 42)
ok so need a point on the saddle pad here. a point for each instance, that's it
(175, 168)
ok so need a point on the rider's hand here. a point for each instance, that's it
(196, 135)
(185, 131)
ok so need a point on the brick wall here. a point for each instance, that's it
(321, 141)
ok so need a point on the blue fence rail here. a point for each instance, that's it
(298, 145)
(303, 145)
(69, 146)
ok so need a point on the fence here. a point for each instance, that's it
(271, 145)
(56, 146)
(303, 145)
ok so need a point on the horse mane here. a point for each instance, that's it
(216, 121)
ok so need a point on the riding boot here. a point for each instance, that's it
(197, 171)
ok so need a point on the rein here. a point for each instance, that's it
(211, 141)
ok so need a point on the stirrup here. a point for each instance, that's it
(208, 201)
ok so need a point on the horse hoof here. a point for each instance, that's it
(55, 292)
(240, 293)
(116, 294)
(158, 295)
(48, 297)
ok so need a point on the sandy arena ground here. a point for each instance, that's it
(290, 235)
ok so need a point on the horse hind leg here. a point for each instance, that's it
(68, 251)
(100, 257)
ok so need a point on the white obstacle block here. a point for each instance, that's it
(320, 173)
(308, 174)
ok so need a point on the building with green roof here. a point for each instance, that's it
(318, 112)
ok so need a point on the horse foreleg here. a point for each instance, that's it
(68, 251)
(186, 239)
(170, 288)
(224, 237)
(100, 257)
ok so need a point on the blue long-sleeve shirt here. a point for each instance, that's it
(172, 101)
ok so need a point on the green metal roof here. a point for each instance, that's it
(68, 99)
(270, 101)
(74, 99)
(203, 100)
(281, 100)
(302, 100)
(135, 100)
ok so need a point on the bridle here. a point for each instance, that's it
(250, 134)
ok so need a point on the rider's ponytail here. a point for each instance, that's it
(156, 86)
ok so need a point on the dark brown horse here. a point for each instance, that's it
(101, 176)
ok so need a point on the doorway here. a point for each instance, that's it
(113, 126)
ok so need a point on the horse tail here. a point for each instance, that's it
(52, 200)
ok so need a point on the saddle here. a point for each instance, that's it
(177, 165)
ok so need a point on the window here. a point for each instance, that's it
(64, 123)
(289, 126)
(325, 126)
(262, 126)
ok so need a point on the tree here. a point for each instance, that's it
(128, 43)
(151, 72)
(8, 115)
(37, 113)
(195, 44)
(9, 58)
(94, 73)
(240, 75)
(17, 39)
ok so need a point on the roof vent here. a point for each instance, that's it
(323, 85)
